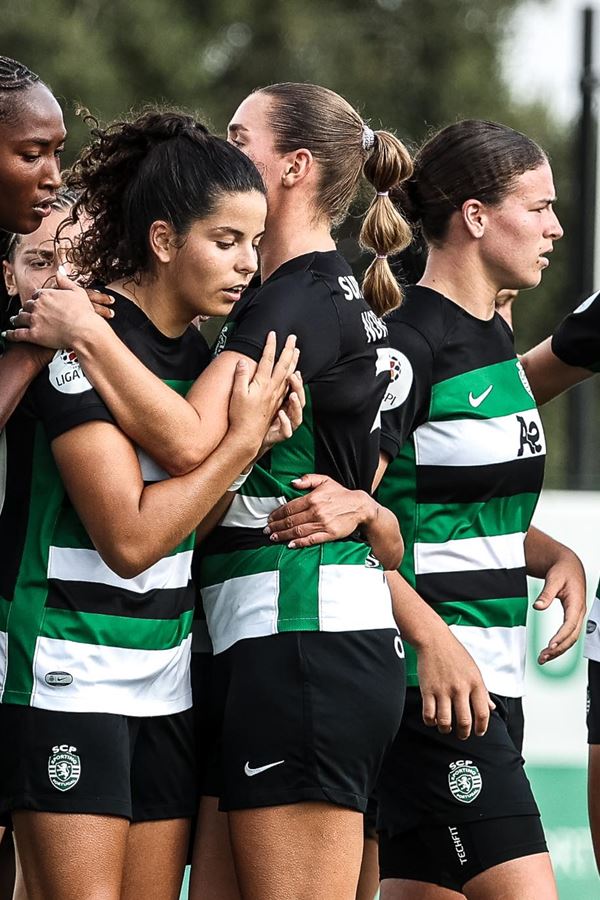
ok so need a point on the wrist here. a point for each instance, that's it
(85, 337)
(368, 511)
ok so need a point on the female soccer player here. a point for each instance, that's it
(467, 448)
(96, 541)
(304, 641)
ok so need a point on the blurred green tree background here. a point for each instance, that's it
(409, 65)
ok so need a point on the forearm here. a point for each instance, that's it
(417, 621)
(542, 552)
(380, 527)
(168, 511)
(145, 408)
(18, 367)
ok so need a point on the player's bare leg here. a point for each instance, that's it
(304, 851)
(155, 859)
(213, 873)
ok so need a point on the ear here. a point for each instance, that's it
(474, 217)
(161, 239)
(296, 166)
(9, 279)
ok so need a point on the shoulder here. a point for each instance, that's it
(424, 313)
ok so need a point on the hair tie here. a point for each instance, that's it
(368, 137)
(381, 256)
(383, 193)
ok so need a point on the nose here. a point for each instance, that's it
(51, 179)
(554, 230)
(248, 260)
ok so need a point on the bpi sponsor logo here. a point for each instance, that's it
(66, 375)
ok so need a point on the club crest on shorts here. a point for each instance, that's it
(464, 780)
(64, 767)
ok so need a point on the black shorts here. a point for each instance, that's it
(593, 702)
(96, 763)
(449, 856)
(430, 778)
(307, 715)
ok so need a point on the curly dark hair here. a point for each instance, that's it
(159, 166)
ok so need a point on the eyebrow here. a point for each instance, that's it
(39, 251)
(227, 229)
(234, 127)
(43, 142)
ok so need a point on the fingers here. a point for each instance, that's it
(296, 532)
(18, 336)
(21, 320)
(293, 412)
(63, 281)
(288, 359)
(267, 359)
(429, 708)
(318, 537)
(444, 715)
(286, 427)
(462, 716)
(564, 638)
(240, 379)
(296, 383)
(481, 705)
(102, 310)
(289, 510)
(309, 482)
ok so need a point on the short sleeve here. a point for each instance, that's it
(576, 341)
(63, 398)
(412, 375)
(299, 304)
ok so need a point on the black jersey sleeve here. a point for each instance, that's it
(62, 397)
(300, 304)
(576, 341)
(412, 373)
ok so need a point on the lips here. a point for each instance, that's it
(44, 207)
(234, 293)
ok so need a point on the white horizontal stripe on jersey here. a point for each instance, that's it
(241, 607)
(500, 551)
(151, 471)
(3, 660)
(499, 653)
(113, 679)
(70, 564)
(354, 598)
(351, 598)
(591, 645)
(250, 512)
(476, 442)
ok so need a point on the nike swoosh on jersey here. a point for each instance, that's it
(250, 771)
(477, 401)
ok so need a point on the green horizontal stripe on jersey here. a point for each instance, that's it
(116, 631)
(505, 612)
(221, 567)
(439, 523)
(456, 398)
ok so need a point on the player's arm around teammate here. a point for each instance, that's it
(85, 718)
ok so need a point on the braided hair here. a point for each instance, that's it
(15, 78)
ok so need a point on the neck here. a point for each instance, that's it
(462, 280)
(291, 233)
(154, 299)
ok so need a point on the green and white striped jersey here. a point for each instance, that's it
(468, 453)
(250, 586)
(74, 635)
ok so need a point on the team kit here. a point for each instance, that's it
(283, 578)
